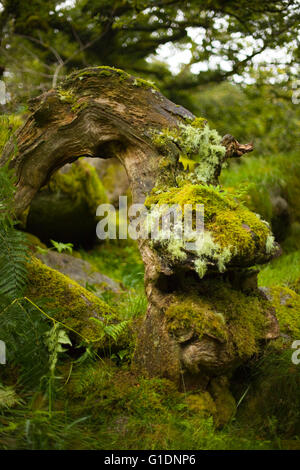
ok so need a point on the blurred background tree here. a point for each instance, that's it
(236, 63)
(210, 41)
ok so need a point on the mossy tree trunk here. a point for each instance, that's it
(102, 112)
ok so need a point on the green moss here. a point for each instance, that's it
(70, 303)
(232, 232)
(222, 312)
(102, 70)
(66, 96)
(79, 106)
(201, 404)
(111, 391)
(140, 82)
(106, 71)
(287, 305)
(192, 312)
(224, 401)
(34, 242)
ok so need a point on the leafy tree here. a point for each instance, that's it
(42, 40)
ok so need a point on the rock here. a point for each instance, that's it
(67, 302)
(79, 270)
(65, 209)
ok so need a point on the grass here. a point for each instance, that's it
(119, 260)
(261, 176)
(104, 407)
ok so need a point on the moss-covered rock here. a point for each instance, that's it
(68, 302)
(34, 243)
(65, 209)
(79, 270)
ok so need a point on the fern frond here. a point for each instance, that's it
(13, 257)
(114, 331)
(13, 247)
(8, 397)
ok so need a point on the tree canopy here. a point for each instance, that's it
(43, 40)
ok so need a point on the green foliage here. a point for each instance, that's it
(273, 175)
(60, 247)
(23, 329)
(112, 331)
(272, 405)
(281, 271)
(41, 42)
(8, 397)
(54, 339)
(13, 247)
(256, 112)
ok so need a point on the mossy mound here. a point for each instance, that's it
(201, 404)
(228, 316)
(287, 305)
(119, 393)
(100, 71)
(65, 209)
(234, 236)
(224, 401)
(68, 302)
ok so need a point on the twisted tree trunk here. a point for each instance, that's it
(103, 113)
